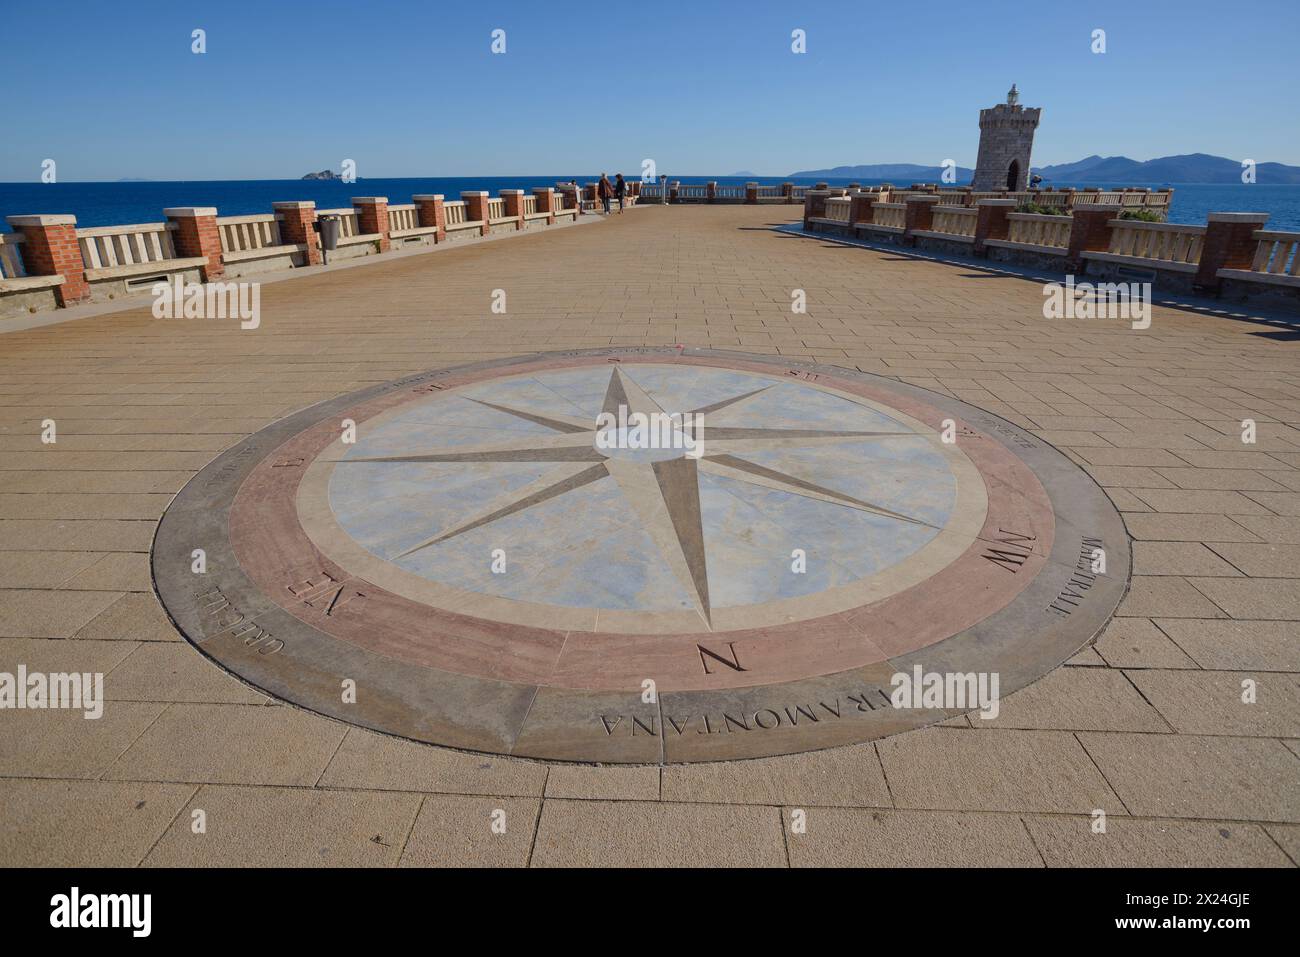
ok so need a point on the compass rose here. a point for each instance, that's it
(660, 484)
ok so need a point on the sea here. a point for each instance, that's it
(116, 204)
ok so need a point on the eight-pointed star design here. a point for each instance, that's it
(663, 491)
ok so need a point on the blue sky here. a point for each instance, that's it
(406, 88)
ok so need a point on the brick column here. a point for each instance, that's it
(991, 222)
(1229, 244)
(751, 194)
(546, 197)
(672, 190)
(710, 191)
(372, 217)
(196, 234)
(814, 205)
(514, 205)
(787, 192)
(298, 225)
(476, 207)
(918, 215)
(49, 248)
(860, 207)
(432, 213)
(1089, 232)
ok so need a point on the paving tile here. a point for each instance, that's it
(132, 617)
(42, 569)
(1210, 702)
(1127, 842)
(28, 613)
(1163, 527)
(287, 827)
(1179, 558)
(1261, 598)
(1138, 643)
(847, 776)
(992, 770)
(1261, 561)
(65, 743)
(455, 831)
(1287, 837)
(635, 834)
(607, 783)
(847, 837)
(1150, 596)
(377, 761)
(1093, 699)
(1227, 645)
(230, 744)
(175, 671)
(84, 823)
(1179, 775)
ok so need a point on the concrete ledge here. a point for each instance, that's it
(143, 269)
(950, 237)
(266, 252)
(1140, 262)
(29, 283)
(1027, 247)
(1249, 275)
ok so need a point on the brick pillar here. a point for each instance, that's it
(298, 225)
(432, 213)
(821, 186)
(814, 205)
(672, 191)
(1089, 232)
(860, 207)
(1229, 244)
(751, 194)
(918, 215)
(514, 205)
(710, 191)
(546, 198)
(372, 217)
(196, 234)
(787, 192)
(991, 222)
(476, 207)
(49, 248)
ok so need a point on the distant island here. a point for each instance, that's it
(743, 172)
(900, 171)
(323, 174)
(1189, 168)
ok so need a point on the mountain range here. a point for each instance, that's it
(1188, 168)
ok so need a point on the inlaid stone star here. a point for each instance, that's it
(660, 484)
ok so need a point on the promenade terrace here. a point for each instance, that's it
(1146, 724)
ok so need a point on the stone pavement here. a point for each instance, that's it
(1148, 726)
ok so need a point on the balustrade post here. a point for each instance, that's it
(372, 217)
(514, 202)
(545, 197)
(1089, 232)
(1229, 244)
(476, 208)
(50, 248)
(814, 205)
(432, 213)
(298, 227)
(751, 194)
(918, 215)
(196, 235)
(991, 222)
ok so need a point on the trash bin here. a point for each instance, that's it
(329, 233)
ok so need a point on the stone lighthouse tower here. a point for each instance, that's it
(1006, 140)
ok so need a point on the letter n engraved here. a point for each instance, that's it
(733, 663)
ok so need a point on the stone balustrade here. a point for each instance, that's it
(1231, 256)
(47, 262)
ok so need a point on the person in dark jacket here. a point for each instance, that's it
(620, 190)
(604, 189)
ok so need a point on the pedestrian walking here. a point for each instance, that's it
(620, 190)
(605, 190)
